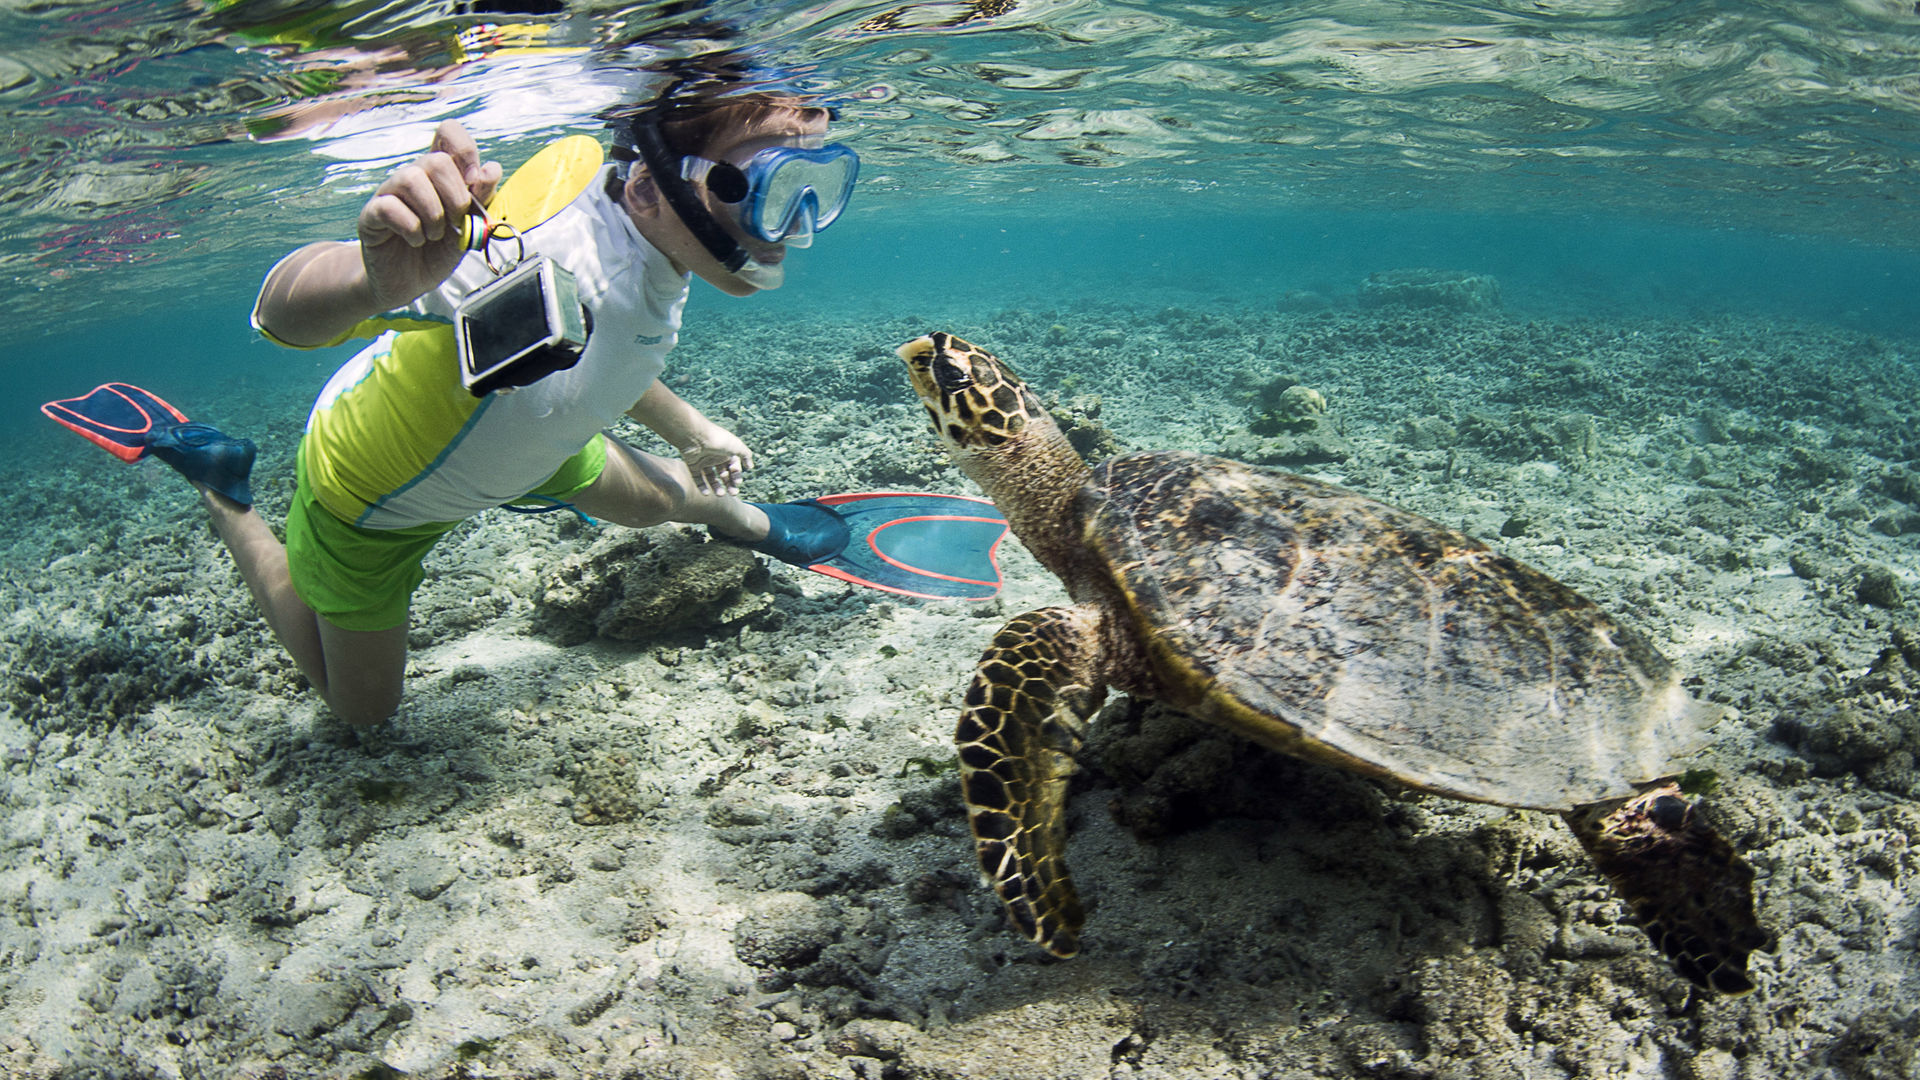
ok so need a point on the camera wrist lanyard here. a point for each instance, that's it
(478, 234)
(522, 326)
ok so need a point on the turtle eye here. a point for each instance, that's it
(949, 376)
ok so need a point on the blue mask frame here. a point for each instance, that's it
(783, 192)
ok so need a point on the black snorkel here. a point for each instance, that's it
(663, 166)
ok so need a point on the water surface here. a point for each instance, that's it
(1754, 155)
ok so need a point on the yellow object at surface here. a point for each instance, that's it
(548, 181)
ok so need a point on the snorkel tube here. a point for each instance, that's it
(663, 166)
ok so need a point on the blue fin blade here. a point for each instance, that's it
(118, 417)
(937, 547)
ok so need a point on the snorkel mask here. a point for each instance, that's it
(783, 194)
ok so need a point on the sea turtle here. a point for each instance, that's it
(1321, 623)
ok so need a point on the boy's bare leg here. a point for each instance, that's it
(366, 671)
(638, 489)
(360, 674)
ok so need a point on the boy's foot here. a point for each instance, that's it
(799, 533)
(203, 455)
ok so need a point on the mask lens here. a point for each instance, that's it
(792, 183)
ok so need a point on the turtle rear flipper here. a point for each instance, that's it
(1024, 721)
(1692, 893)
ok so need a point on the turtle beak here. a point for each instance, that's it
(916, 352)
(918, 355)
(937, 368)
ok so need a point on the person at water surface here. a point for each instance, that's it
(397, 452)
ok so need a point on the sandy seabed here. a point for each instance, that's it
(653, 809)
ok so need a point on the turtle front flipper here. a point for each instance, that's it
(1691, 891)
(1024, 721)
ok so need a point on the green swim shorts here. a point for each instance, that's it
(363, 579)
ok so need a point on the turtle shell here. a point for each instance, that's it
(1324, 623)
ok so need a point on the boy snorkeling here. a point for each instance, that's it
(397, 451)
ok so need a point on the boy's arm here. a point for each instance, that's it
(315, 295)
(410, 240)
(714, 455)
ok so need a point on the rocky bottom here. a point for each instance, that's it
(654, 809)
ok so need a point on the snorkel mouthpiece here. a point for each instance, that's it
(761, 277)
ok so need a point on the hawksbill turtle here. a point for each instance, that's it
(1320, 623)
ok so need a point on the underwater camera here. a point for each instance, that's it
(520, 328)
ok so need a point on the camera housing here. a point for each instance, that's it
(520, 328)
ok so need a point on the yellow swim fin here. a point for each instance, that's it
(548, 181)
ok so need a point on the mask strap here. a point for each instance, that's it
(680, 195)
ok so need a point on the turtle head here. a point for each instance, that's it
(975, 400)
(1000, 435)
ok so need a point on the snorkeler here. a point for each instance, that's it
(398, 451)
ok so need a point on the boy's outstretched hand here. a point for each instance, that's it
(716, 459)
(410, 229)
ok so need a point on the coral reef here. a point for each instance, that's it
(646, 586)
(1452, 290)
(729, 839)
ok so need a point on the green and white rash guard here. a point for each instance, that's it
(395, 441)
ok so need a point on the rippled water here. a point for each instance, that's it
(165, 153)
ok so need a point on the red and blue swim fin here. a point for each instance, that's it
(118, 417)
(131, 423)
(936, 547)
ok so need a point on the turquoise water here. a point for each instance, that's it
(1697, 405)
(1602, 157)
(874, 265)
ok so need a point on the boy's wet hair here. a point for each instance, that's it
(711, 95)
(691, 129)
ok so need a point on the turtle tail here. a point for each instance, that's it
(1024, 721)
(1691, 891)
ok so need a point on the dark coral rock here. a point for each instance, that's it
(1900, 522)
(1878, 586)
(1881, 1044)
(1902, 484)
(643, 586)
(68, 684)
(1427, 433)
(1811, 468)
(786, 936)
(1846, 738)
(1874, 731)
(1572, 439)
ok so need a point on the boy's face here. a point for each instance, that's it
(663, 228)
